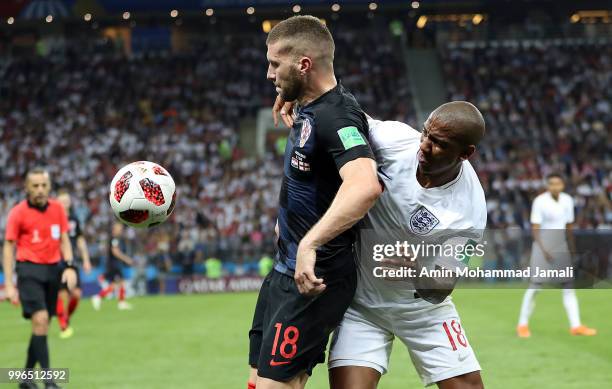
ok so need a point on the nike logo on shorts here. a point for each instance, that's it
(278, 363)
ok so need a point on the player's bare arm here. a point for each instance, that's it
(537, 237)
(122, 256)
(571, 243)
(84, 253)
(435, 289)
(69, 274)
(8, 255)
(359, 190)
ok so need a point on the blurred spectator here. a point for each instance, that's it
(214, 268)
(547, 108)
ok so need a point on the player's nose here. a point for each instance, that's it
(270, 75)
(425, 145)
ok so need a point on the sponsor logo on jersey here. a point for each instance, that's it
(423, 221)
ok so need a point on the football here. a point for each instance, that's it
(142, 194)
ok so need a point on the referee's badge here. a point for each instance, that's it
(423, 221)
(55, 231)
(305, 132)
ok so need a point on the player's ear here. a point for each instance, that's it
(468, 152)
(305, 65)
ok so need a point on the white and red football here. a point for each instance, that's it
(142, 194)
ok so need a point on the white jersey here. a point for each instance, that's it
(552, 214)
(408, 208)
(384, 310)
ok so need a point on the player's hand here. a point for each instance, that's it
(11, 294)
(277, 232)
(69, 277)
(285, 109)
(434, 289)
(398, 264)
(547, 256)
(307, 282)
(87, 267)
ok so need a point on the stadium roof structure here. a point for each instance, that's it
(39, 9)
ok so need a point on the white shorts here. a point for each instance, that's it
(433, 335)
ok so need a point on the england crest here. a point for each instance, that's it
(423, 221)
(305, 132)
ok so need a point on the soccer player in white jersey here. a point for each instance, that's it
(552, 216)
(430, 188)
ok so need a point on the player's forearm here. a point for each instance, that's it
(83, 251)
(122, 256)
(436, 289)
(7, 261)
(571, 242)
(66, 249)
(537, 237)
(350, 205)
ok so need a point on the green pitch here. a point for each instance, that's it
(201, 342)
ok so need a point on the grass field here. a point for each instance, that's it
(201, 342)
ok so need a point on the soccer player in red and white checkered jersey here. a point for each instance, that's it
(37, 228)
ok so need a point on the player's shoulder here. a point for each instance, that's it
(391, 134)
(471, 187)
(21, 205)
(566, 197)
(542, 197)
(18, 209)
(336, 108)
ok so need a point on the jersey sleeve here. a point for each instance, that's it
(115, 243)
(570, 210)
(536, 212)
(345, 139)
(12, 225)
(388, 138)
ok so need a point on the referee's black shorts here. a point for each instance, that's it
(38, 286)
(290, 331)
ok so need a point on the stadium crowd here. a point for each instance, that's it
(85, 108)
(548, 108)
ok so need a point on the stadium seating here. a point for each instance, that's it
(84, 112)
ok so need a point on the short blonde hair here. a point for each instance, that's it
(304, 35)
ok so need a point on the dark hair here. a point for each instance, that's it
(554, 175)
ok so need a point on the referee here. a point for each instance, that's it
(38, 228)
